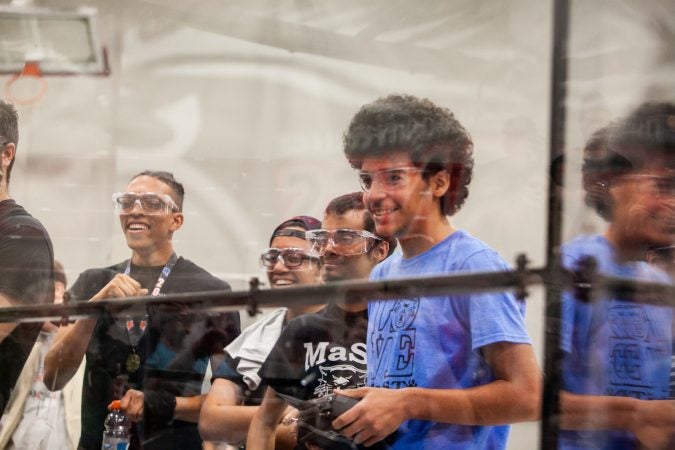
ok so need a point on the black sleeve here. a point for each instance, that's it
(27, 276)
(228, 371)
(26, 263)
(284, 368)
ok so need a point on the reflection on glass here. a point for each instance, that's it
(618, 353)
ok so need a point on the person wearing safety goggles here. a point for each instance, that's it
(445, 371)
(319, 353)
(237, 388)
(130, 355)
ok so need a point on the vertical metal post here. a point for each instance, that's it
(552, 353)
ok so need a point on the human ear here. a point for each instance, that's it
(177, 221)
(8, 153)
(439, 183)
(379, 251)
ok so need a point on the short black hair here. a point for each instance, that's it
(341, 205)
(601, 166)
(431, 135)
(9, 129)
(168, 179)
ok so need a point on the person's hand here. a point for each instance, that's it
(376, 416)
(132, 405)
(119, 287)
(654, 424)
(290, 421)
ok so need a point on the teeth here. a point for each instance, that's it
(283, 282)
(382, 212)
(137, 226)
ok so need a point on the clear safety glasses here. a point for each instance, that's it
(150, 202)
(345, 241)
(293, 258)
(387, 179)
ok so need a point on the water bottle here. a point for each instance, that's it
(116, 434)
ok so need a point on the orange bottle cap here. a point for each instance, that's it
(115, 404)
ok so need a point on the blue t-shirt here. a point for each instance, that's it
(434, 342)
(612, 347)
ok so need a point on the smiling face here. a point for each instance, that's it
(149, 234)
(337, 267)
(410, 210)
(644, 208)
(281, 276)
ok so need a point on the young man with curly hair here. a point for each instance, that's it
(444, 371)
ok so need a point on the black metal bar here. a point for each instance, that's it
(550, 411)
(224, 300)
(518, 280)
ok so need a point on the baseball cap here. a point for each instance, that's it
(305, 222)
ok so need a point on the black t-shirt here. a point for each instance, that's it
(174, 351)
(27, 276)
(317, 353)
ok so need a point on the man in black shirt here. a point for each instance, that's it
(318, 353)
(26, 262)
(154, 358)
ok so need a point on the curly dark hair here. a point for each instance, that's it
(646, 135)
(431, 135)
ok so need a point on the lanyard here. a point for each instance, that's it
(135, 332)
(164, 274)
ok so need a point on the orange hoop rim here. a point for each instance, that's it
(30, 69)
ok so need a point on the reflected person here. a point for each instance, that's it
(618, 353)
(128, 356)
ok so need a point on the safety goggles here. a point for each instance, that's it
(292, 258)
(345, 241)
(387, 179)
(662, 186)
(150, 202)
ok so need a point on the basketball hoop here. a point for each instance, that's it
(28, 86)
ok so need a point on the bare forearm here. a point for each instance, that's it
(261, 435)
(187, 408)
(594, 412)
(65, 356)
(263, 430)
(226, 423)
(495, 403)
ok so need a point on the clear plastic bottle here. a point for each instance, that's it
(117, 425)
